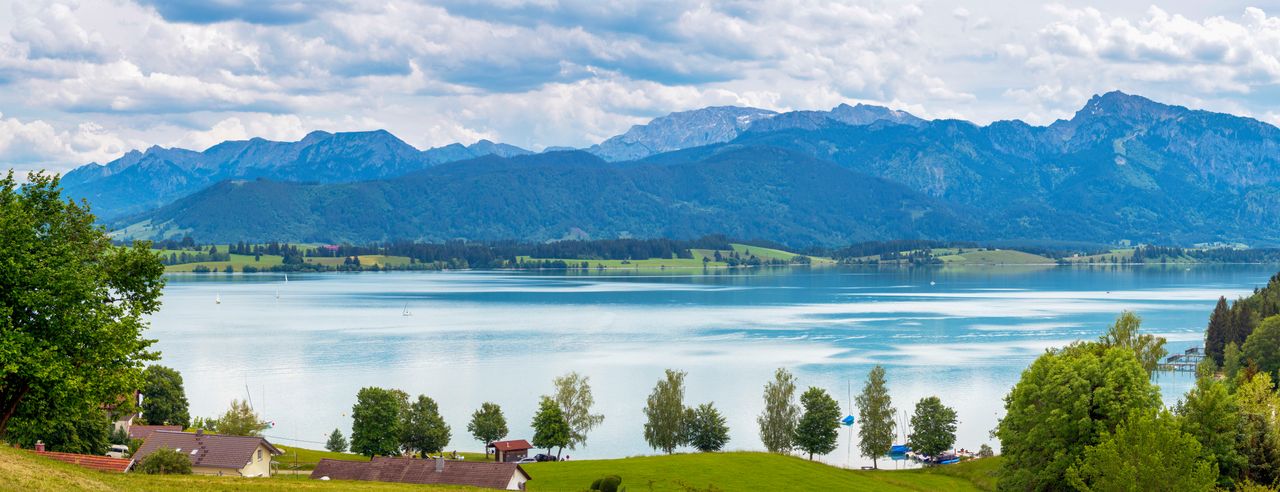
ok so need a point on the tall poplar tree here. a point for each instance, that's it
(875, 415)
(666, 426)
(781, 414)
(573, 394)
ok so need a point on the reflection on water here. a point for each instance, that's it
(962, 334)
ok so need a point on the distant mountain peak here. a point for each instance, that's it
(680, 130)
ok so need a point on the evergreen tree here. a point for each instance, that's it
(778, 421)
(1215, 336)
(707, 429)
(488, 424)
(933, 427)
(665, 415)
(337, 443)
(875, 414)
(422, 429)
(819, 425)
(550, 429)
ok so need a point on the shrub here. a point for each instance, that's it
(165, 462)
(608, 483)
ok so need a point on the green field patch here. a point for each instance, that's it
(365, 260)
(265, 262)
(997, 257)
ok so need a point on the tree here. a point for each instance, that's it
(708, 430)
(1149, 349)
(1211, 416)
(78, 430)
(488, 425)
(933, 427)
(74, 307)
(336, 443)
(778, 420)
(665, 414)
(1146, 452)
(819, 425)
(422, 429)
(573, 394)
(550, 429)
(164, 401)
(985, 451)
(1263, 346)
(1064, 401)
(1232, 360)
(1215, 336)
(875, 412)
(241, 420)
(1260, 437)
(375, 421)
(165, 461)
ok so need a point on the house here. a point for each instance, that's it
(214, 454)
(139, 431)
(123, 412)
(510, 451)
(92, 462)
(485, 474)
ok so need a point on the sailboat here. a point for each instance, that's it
(901, 449)
(218, 298)
(406, 310)
(847, 421)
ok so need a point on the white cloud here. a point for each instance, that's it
(33, 145)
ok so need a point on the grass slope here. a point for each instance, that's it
(295, 458)
(997, 257)
(23, 470)
(748, 471)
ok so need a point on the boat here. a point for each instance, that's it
(218, 299)
(899, 449)
(406, 310)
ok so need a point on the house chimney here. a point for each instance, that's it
(440, 464)
(39, 446)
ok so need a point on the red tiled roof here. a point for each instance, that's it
(408, 470)
(144, 431)
(211, 450)
(92, 462)
(515, 445)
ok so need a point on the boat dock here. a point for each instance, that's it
(1187, 361)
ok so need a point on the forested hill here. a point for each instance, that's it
(747, 192)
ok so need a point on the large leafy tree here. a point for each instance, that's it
(573, 394)
(780, 415)
(875, 415)
(1062, 404)
(488, 424)
(241, 420)
(375, 421)
(1148, 451)
(72, 308)
(1262, 348)
(707, 429)
(422, 429)
(665, 414)
(1149, 349)
(1210, 414)
(933, 427)
(164, 401)
(1259, 431)
(819, 425)
(550, 429)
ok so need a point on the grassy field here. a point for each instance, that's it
(649, 263)
(237, 261)
(749, 471)
(23, 470)
(365, 260)
(996, 257)
(1118, 254)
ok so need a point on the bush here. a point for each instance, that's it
(165, 462)
(608, 483)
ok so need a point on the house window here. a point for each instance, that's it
(259, 455)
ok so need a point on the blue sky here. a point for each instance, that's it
(84, 81)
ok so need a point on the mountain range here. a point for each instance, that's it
(1123, 167)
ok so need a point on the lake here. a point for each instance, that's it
(963, 334)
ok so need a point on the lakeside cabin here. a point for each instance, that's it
(510, 451)
(214, 454)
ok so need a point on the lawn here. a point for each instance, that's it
(23, 470)
(749, 471)
(237, 261)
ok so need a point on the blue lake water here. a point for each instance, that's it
(963, 334)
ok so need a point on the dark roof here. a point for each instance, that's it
(408, 470)
(144, 431)
(212, 450)
(514, 445)
(92, 462)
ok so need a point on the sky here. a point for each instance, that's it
(85, 81)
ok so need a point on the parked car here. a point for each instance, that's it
(544, 457)
(117, 450)
(526, 460)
